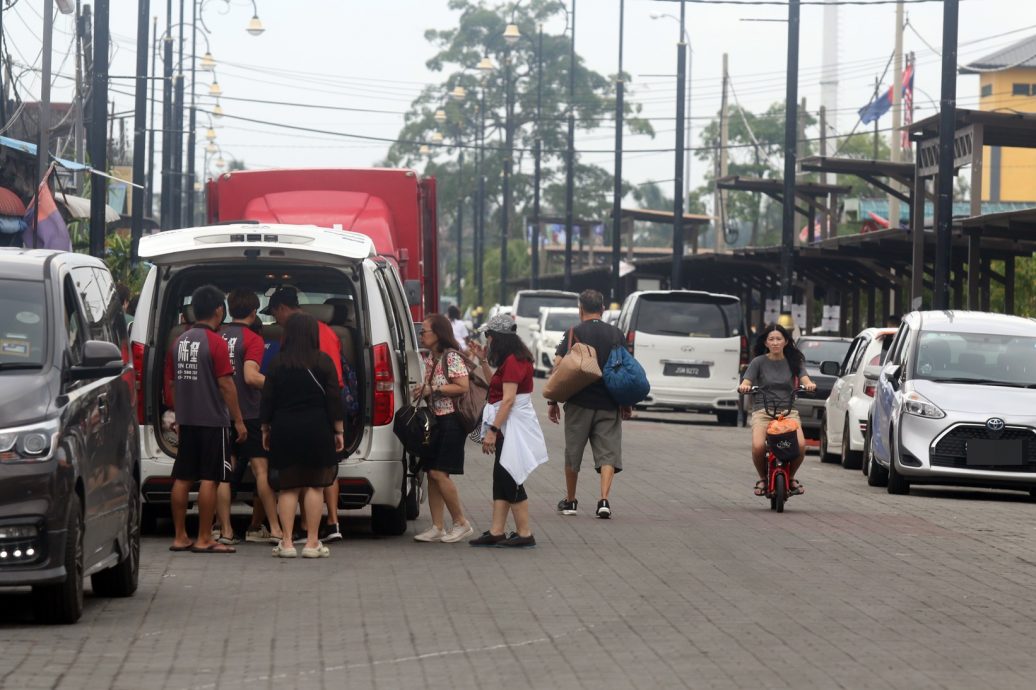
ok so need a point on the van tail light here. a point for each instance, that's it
(384, 386)
(139, 353)
(630, 340)
(744, 351)
(869, 390)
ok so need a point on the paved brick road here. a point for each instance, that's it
(694, 583)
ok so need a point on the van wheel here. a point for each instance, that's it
(876, 474)
(389, 521)
(413, 499)
(897, 483)
(851, 459)
(63, 602)
(120, 580)
(727, 418)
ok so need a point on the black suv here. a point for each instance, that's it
(69, 455)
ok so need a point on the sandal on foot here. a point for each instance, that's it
(319, 551)
(796, 488)
(760, 488)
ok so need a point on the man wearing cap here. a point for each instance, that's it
(284, 303)
(591, 414)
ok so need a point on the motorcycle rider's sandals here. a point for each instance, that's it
(760, 487)
(796, 488)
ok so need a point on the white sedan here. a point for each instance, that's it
(848, 407)
(547, 333)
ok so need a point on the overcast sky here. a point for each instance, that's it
(370, 54)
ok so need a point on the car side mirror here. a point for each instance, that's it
(872, 372)
(830, 368)
(894, 375)
(100, 360)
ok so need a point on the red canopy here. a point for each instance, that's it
(10, 204)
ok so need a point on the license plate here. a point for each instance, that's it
(986, 452)
(697, 370)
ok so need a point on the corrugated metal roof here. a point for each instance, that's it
(1018, 55)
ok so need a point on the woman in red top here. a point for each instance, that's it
(513, 376)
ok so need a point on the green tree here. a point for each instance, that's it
(755, 149)
(479, 33)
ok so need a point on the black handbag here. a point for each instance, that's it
(415, 426)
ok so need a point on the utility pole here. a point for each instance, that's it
(534, 278)
(98, 140)
(825, 231)
(149, 197)
(676, 279)
(176, 204)
(79, 132)
(167, 117)
(480, 222)
(570, 154)
(139, 129)
(947, 133)
(192, 121)
(505, 215)
(724, 137)
(790, 163)
(460, 225)
(617, 191)
(897, 109)
(43, 151)
(800, 153)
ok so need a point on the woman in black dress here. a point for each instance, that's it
(303, 429)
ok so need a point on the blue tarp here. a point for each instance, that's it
(26, 147)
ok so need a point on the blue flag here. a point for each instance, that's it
(876, 108)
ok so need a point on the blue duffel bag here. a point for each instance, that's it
(625, 378)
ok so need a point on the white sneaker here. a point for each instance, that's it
(260, 536)
(431, 534)
(458, 532)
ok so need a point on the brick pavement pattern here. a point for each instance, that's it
(694, 583)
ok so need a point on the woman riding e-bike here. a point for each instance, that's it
(777, 370)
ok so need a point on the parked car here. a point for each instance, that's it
(610, 316)
(69, 457)
(692, 346)
(818, 349)
(340, 281)
(527, 305)
(849, 404)
(554, 323)
(956, 403)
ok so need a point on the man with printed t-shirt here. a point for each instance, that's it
(591, 414)
(198, 365)
(246, 354)
(284, 303)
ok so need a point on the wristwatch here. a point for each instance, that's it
(494, 429)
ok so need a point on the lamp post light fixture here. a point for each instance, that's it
(217, 110)
(459, 93)
(423, 150)
(214, 88)
(207, 62)
(255, 27)
(210, 134)
(436, 138)
(440, 116)
(211, 147)
(220, 163)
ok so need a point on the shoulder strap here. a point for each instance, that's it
(572, 340)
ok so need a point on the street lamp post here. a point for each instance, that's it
(192, 120)
(139, 129)
(790, 139)
(617, 193)
(676, 280)
(505, 215)
(534, 278)
(484, 66)
(570, 154)
(947, 134)
(167, 115)
(176, 203)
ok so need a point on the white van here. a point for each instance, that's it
(691, 345)
(340, 281)
(527, 305)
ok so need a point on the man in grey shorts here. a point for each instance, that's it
(591, 414)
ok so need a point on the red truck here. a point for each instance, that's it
(395, 208)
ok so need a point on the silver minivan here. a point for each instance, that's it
(691, 345)
(340, 281)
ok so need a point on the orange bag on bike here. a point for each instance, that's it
(783, 439)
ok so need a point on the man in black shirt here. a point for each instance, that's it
(591, 414)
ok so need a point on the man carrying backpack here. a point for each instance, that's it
(591, 414)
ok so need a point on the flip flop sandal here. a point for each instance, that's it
(796, 488)
(760, 487)
(214, 548)
(179, 549)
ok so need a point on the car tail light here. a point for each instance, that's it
(869, 390)
(384, 386)
(631, 337)
(744, 351)
(139, 354)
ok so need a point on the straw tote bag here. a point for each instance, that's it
(576, 370)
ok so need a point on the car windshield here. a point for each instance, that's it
(983, 358)
(696, 318)
(817, 351)
(23, 324)
(561, 322)
(530, 305)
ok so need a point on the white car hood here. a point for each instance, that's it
(983, 401)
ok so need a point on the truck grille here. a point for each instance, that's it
(951, 450)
